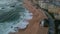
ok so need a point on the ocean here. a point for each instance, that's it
(13, 16)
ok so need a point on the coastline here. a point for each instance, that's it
(34, 24)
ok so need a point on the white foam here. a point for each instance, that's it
(22, 24)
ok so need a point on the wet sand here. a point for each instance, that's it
(34, 24)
